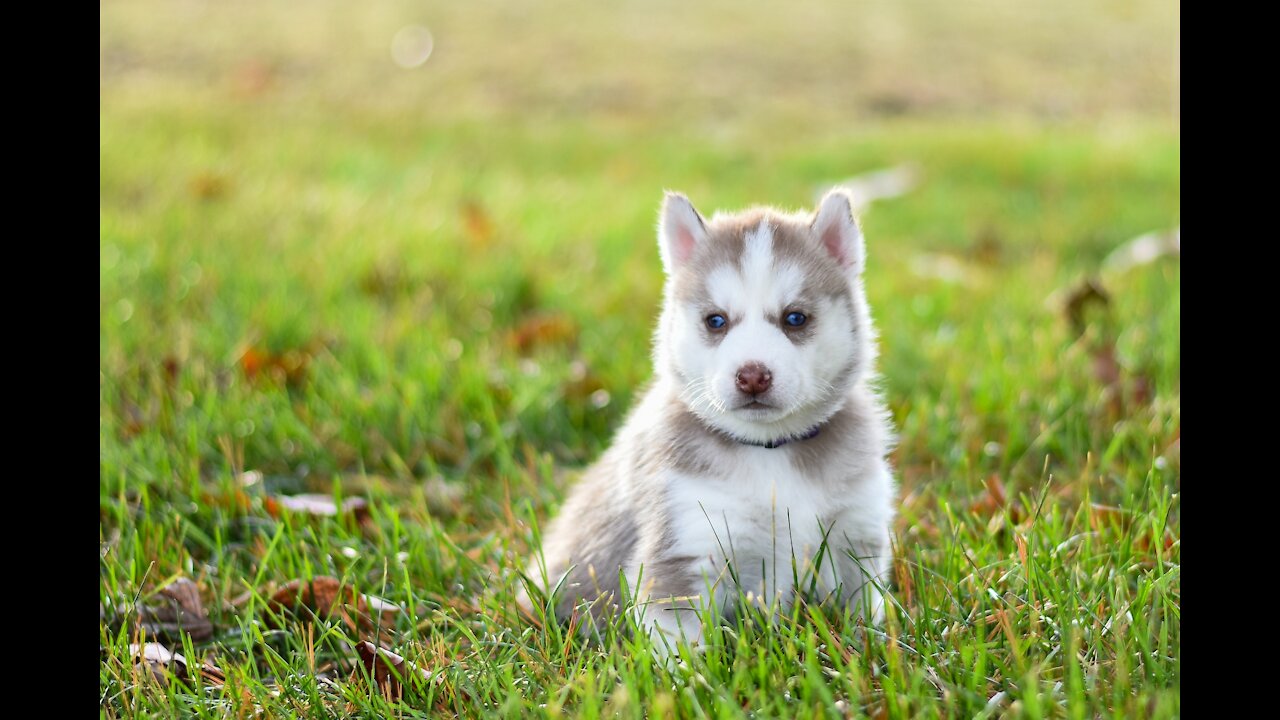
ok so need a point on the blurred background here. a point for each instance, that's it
(707, 66)
(378, 278)
(410, 244)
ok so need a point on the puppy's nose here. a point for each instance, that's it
(754, 378)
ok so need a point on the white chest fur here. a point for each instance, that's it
(760, 526)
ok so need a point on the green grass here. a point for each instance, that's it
(270, 189)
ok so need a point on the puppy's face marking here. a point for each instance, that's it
(762, 327)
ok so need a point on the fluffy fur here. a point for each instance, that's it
(710, 490)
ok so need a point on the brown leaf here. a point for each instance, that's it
(186, 593)
(240, 600)
(235, 499)
(993, 500)
(288, 367)
(320, 595)
(324, 596)
(171, 366)
(1142, 390)
(1111, 375)
(995, 489)
(165, 664)
(542, 329)
(1079, 298)
(319, 505)
(476, 221)
(987, 248)
(389, 671)
(994, 504)
(252, 78)
(1144, 542)
(1105, 366)
(176, 610)
(208, 186)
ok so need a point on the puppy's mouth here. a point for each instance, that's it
(756, 409)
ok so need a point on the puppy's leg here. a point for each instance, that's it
(863, 566)
(671, 600)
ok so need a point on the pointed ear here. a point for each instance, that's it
(679, 231)
(835, 227)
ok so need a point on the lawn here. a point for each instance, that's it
(431, 290)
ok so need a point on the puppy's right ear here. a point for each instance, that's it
(679, 231)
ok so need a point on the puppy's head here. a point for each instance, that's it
(765, 325)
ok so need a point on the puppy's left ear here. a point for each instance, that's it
(835, 227)
(680, 230)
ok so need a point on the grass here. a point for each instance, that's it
(434, 290)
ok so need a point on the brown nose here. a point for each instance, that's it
(754, 378)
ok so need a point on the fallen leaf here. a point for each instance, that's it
(476, 221)
(876, 185)
(987, 248)
(993, 500)
(938, 266)
(135, 420)
(389, 671)
(1105, 366)
(994, 504)
(252, 78)
(208, 186)
(1144, 542)
(165, 664)
(1111, 375)
(240, 600)
(542, 329)
(186, 593)
(1078, 299)
(324, 596)
(176, 610)
(318, 505)
(320, 595)
(1145, 249)
(171, 366)
(995, 489)
(288, 367)
(1142, 390)
(235, 499)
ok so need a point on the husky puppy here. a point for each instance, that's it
(754, 466)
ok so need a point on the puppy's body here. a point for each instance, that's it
(756, 458)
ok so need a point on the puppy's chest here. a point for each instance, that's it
(757, 508)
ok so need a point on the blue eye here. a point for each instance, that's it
(715, 322)
(796, 319)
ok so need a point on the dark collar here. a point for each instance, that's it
(782, 441)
